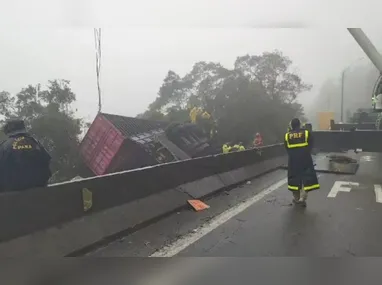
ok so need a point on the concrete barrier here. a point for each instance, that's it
(52, 221)
(251, 171)
(202, 187)
(92, 229)
(337, 141)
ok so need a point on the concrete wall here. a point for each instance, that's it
(335, 141)
(52, 221)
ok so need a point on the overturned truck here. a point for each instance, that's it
(114, 143)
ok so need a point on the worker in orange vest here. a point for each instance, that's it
(258, 140)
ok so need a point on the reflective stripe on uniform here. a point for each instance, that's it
(306, 188)
(290, 187)
(315, 186)
(297, 144)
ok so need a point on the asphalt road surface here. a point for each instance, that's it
(343, 218)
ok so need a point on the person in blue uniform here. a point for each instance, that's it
(24, 162)
(302, 176)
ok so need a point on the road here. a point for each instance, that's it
(249, 222)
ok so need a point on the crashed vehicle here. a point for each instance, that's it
(115, 143)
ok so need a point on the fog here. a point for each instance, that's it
(141, 42)
(359, 81)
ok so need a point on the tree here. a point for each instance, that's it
(272, 70)
(49, 116)
(257, 95)
(6, 104)
(152, 115)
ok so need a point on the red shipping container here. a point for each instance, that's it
(100, 145)
(115, 143)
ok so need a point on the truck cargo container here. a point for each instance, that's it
(115, 143)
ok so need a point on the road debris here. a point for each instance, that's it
(198, 205)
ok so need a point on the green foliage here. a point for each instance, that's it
(271, 69)
(257, 95)
(49, 117)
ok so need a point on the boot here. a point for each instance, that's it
(303, 197)
(296, 197)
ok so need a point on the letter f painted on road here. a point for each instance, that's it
(341, 186)
(378, 193)
(346, 186)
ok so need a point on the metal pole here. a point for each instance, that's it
(329, 102)
(342, 95)
(367, 46)
(97, 39)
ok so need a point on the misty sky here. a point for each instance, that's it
(141, 42)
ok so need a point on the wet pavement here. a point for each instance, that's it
(345, 224)
(343, 218)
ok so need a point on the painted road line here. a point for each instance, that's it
(341, 186)
(378, 193)
(189, 239)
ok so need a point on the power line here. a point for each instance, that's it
(97, 40)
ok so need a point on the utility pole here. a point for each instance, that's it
(97, 39)
(342, 94)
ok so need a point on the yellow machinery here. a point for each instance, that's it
(203, 119)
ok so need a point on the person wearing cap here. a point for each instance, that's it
(24, 162)
(302, 176)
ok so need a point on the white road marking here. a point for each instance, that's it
(341, 186)
(378, 193)
(367, 158)
(189, 239)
